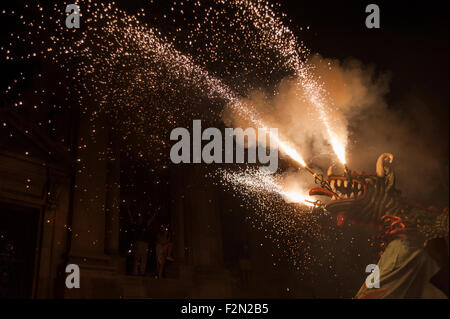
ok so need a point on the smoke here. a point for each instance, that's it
(420, 164)
(296, 182)
(359, 115)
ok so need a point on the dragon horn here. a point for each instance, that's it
(380, 169)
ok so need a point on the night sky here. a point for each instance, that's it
(411, 47)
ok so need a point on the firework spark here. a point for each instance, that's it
(259, 182)
(281, 38)
(271, 36)
(131, 72)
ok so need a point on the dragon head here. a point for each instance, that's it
(363, 197)
(372, 199)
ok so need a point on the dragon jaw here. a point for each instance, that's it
(346, 192)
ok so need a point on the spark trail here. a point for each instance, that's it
(279, 37)
(125, 46)
(128, 70)
(260, 182)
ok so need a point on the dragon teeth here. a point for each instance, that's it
(359, 186)
(332, 184)
(333, 198)
(352, 195)
(339, 183)
(345, 184)
(359, 193)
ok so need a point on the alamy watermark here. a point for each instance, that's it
(373, 19)
(373, 280)
(73, 19)
(73, 277)
(212, 152)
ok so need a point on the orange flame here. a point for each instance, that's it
(297, 197)
(338, 148)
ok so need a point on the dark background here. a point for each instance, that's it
(412, 45)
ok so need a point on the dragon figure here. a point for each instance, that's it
(415, 251)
